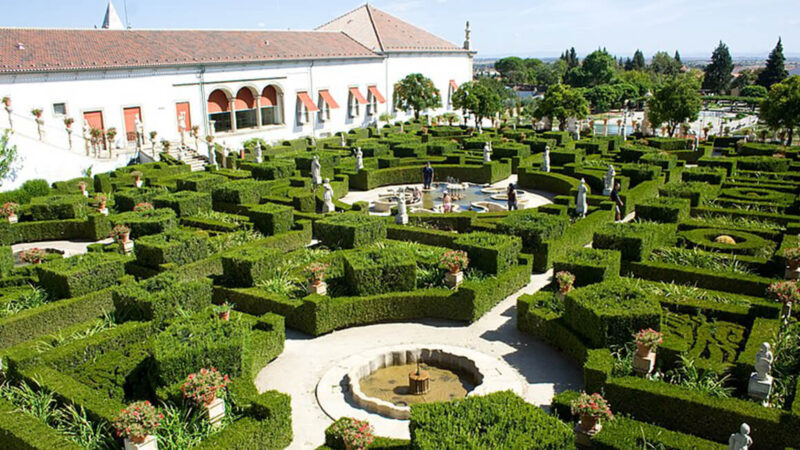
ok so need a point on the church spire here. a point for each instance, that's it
(112, 20)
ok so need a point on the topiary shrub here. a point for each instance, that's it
(489, 252)
(609, 313)
(710, 175)
(175, 246)
(533, 227)
(161, 297)
(696, 191)
(127, 199)
(377, 271)
(199, 182)
(744, 243)
(184, 203)
(81, 274)
(247, 266)
(272, 218)
(273, 170)
(663, 209)
(763, 164)
(501, 420)
(589, 265)
(145, 223)
(634, 240)
(55, 207)
(350, 230)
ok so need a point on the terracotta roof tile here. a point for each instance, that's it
(62, 49)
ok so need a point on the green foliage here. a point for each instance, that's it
(184, 203)
(54, 207)
(775, 71)
(174, 246)
(416, 92)
(81, 274)
(562, 102)
(693, 345)
(533, 227)
(477, 98)
(663, 209)
(780, 109)
(718, 74)
(271, 218)
(677, 101)
(350, 230)
(161, 297)
(8, 155)
(589, 265)
(489, 252)
(146, 222)
(248, 266)
(746, 243)
(376, 271)
(199, 182)
(634, 240)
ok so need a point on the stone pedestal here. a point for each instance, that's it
(419, 383)
(216, 412)
(13, 219)
(401, 219)
(126, 246)
(150, 443)
(103, 211)
(644, 364)
(759, 389)
(792, 273)
(606, 192)
(138, 183)
(453, 280)
(320, 288)
(85, 193)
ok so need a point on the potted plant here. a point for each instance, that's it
(138, 178)
(165, 144)
(223, 311)
(143, 207)
(121, 233)
(315, 275)
(101, 200)
(111, 135)
(647, 341)
(786, 292)
(32, 256)
(355, 434)
(455, 261)
(7, 102)
(591, 409)
(82, 187)
(37, 113)
(9, 211)
(196, 135)
(565, 281)
(792, 256)
(201, 388)
(137, 422)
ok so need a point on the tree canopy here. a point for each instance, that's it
(719, 73)
(597, 68)
(416, 92)
(677, 101)
(781, 108)
(775, 71)
(8, 154)
(663, 64)
(479, 98)
(562, 102)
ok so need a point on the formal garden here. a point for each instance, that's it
(680, 315)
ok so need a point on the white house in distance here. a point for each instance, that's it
(236, 85)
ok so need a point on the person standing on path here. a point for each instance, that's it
(512, 197)
(618, 203)
(427, 176)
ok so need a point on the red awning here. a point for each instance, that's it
(328, 98)
(310, 106)
(453, 85)
(377, 94)
(357, 95)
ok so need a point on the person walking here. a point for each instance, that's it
(618, 203)
(512, 197)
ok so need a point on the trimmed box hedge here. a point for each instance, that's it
(491, 253)
(199, 182)
(247, 266)
(350, 230)
(663, 209)
(81, 274)
(635, 240)
(272, 218)
(184, 203)
(377, 271)
(175, 246)
(589, 265)
(146, 222)
(55, 207)
(161, 297)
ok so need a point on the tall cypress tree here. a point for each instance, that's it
(775, 72)
(678, 58)
(638, 60)
(720, 72)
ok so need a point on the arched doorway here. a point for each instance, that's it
(219, 110)
(245, 106)
(271, 106)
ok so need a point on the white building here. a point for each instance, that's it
(235, 85)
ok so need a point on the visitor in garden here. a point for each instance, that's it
(618, 203)
(447, 202)
(416, 195)
(427, 176)
(512, 197)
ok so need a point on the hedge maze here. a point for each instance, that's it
(95, 332)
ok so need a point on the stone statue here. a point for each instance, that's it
(402, 211)
(580, 201)
(316, 171)
(138, 126)
(259, 153)
(487, 152)
(182, 127)
(428, 119)
(546, 164)
(480, 128)
(764, 359)
(311, 141)
(359, 159)
(402, 127)
(608, 180)
(212, 154)
(342, 141)
(740, 440)
(327, 197)
(86, 135)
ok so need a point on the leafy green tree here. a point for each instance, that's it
(416, 92)
(781, 108)
(479, 98)
(639, 79)
(597, 68)
(8, 154)
(562, 102)
(678, 58)
(754, 91)
(775, 71)
(746, 77)
(677, 101)
(513, 70)
(663, 64)
(720, 72)
(638, 62)
(571, 58)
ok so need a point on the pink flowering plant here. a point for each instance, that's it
(649, 338)
(565, 281)
(32, 256)
(784, 292)
(356, 434)
(792, 255)
(137, 421)
(9, 209)
(592, 405)
(201, 388)
(143, 207)
(455, 260)
(119, 232)
(315, 272)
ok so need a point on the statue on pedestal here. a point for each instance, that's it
(182, 127)
(342, 141)
(138, 127)
(487, 152)
(580, 201)
(546, 163)
(86, 135)
(359, 159)
(316, 171)
(608, 180)
(740, 440)
(327, 197)
(760, 385)
(259, 153)
(402, 211)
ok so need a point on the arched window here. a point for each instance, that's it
(271, 106)
(245, 106)
(219, 108)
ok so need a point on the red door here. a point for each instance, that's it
(95, 119)
(130, 122)
(183, 107)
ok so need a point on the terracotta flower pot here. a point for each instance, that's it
(226, 316)
(643, 350)
(589, 422)
(137, 439)
(210, 397)
(125, 237)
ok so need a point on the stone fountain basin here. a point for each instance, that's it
(490, 374)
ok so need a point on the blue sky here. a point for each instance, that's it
(500, 27)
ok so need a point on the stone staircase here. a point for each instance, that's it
(189, 156)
